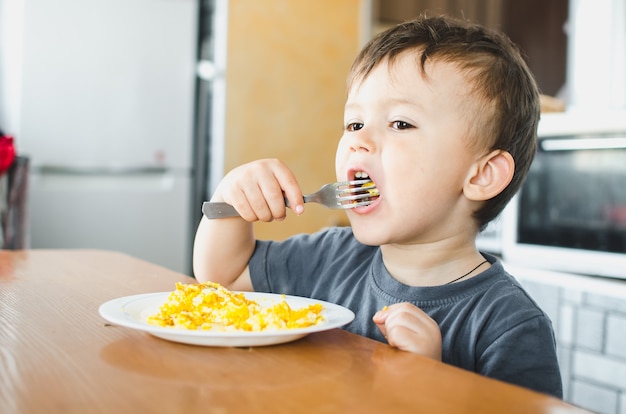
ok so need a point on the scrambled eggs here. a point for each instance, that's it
(372, 191)
(211, 306)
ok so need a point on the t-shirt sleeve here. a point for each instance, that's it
(525, 355)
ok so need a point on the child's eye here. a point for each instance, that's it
(401, 125)
(354, 126)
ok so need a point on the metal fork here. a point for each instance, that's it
(340, 195)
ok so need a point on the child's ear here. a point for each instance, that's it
(489, 176)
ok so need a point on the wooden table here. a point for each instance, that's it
(58, 355)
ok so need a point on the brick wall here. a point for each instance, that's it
(589, 318)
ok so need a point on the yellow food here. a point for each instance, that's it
(371, 191)
(211, 306)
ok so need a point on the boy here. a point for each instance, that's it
(442, 116)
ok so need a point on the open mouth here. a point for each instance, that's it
(363, 189)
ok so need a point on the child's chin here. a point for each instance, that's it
(365, 236)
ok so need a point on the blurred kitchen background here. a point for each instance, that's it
(129, 112)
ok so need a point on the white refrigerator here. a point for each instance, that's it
(106, 116)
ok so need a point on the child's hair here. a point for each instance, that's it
(506, 106)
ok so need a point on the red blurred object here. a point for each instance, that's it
(7, 153)
(14, 180)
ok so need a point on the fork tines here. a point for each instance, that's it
(352, 194)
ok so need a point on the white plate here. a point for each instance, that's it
(133, 311)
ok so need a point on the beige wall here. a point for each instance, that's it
(285, 88)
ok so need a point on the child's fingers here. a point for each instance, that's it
(409, 328)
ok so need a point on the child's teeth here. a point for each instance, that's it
(361, 175)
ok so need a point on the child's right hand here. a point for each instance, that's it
(258, 190)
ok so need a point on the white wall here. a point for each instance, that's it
(11, 22)
(596, 68)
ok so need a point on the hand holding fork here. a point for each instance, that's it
(339, 195)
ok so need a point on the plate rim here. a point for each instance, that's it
(114, 312)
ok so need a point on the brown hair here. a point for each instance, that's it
(501, 82)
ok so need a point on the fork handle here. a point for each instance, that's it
(216, 210)
(306, 200)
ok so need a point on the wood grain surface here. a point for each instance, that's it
(57, 355)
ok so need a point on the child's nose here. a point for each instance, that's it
(362, 141)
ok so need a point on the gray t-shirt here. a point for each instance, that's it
(488, 323)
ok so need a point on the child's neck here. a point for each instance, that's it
(425, 266)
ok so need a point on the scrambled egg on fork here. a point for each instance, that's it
(211, 306)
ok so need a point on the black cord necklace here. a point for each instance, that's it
(459, 278)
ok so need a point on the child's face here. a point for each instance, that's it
(411, 135)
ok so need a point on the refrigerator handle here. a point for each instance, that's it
(69, 170)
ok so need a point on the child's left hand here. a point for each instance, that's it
(409, 328)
